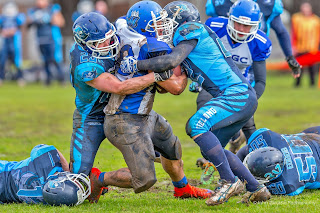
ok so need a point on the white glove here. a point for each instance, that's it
(129, 65)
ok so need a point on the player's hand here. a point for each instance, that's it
(194, 87)
(162, 76)
(294, 66)
(129, 65)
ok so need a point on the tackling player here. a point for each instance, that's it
(271, 9)
(92, 62)
(130, 123)
(286, 164)
(206, 61)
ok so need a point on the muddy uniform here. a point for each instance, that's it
(88, 117)
(301, 155)
(23, 181)
(130, 123)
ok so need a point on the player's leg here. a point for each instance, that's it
(230, 108)
(85, 141)
(170, 148)
(45, 51)
(3, 59)
(130, 134)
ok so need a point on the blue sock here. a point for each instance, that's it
(211, 147)
(241, 171)
(181, 183)
(101, 177)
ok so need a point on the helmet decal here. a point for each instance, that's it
(133, 19)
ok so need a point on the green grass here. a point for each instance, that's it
(37, 114)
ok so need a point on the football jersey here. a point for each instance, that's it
(23, 181)
(46, 32)
(83, 68)
(243, 54)
(141, 47)
(301, 156)
(209, 64)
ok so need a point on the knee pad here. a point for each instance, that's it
(143, 182)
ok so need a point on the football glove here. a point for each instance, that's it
(294, 65)
(129, 65)
(162, 76)
(194, 87)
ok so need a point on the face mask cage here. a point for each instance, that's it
(238, 36)
(162, 26)
(83, 182)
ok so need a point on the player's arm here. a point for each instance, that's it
(284, 40)
(176, 83)
(107, 82)
(260, 76)
(64, 162)
(169, 61)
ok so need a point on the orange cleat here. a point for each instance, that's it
(192, 192)
(96, 186)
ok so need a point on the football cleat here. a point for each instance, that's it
(224, 191)
(200, 162)
(234, 145)
(192, 192)
(207, 174)
(96, 186)
(260, 195)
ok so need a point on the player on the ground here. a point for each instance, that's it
(44, 177)
(271, 9)
(206, 61)
(287, 164)
(130, 123)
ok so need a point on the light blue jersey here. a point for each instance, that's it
(23, 181)
(243, 54)
(301, 156)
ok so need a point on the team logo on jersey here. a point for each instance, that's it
(89, 74)
(133, 19)
(177, 9)
(187, 29)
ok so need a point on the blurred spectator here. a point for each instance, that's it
(48, 20)
(306, 36)
(10, 23)
(102, 8)
(84, 6)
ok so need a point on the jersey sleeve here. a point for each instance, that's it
(210, 10)
(88, 71)
(21, 19)
(55, 8)
(188, 31)
(40, 150)
(153, 48)
(217, 24)
(262, 47)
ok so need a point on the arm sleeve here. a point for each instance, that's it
(283, 35)
(260, 75)
(169, 61)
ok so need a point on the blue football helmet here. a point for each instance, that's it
(182, 11)
(265, 164)
(246, 12)
(92, 29)
(65, 188)
(149, 19)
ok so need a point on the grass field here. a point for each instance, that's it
(36, 114)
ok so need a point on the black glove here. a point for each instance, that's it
(162, 76)
(294, 65)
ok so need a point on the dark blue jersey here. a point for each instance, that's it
(83, 68)
(23, 181)
(302, 159)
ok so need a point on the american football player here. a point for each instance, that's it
(206, 61)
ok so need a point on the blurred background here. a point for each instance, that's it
(31, 57)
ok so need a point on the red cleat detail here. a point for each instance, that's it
(192, 192)
(96, 186)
